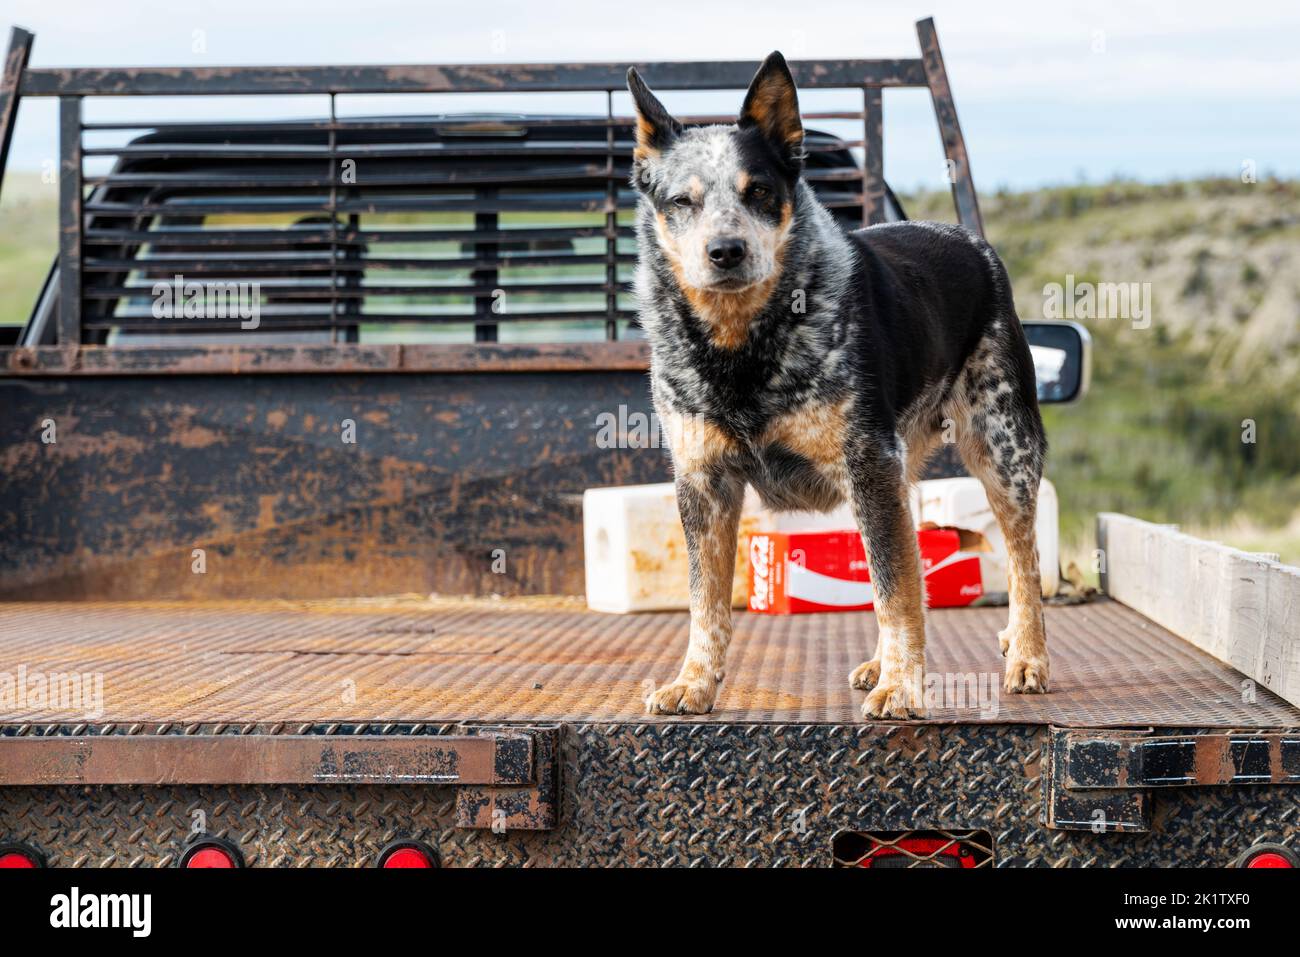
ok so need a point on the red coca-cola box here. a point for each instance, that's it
(792, 572)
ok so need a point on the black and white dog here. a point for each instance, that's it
(821, 366)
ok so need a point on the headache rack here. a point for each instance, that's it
(398, 243)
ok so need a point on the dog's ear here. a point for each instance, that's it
(655, 129)
(772, 107)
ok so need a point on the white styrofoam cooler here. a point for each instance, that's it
(635, 550)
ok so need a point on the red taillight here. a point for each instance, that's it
(407, 857)
(919, 852)
(1268, 855)
(897, 849)
(407, 854)
(210, 857)
(211, 852)
(16, 855)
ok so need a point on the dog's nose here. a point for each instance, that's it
(726, 253)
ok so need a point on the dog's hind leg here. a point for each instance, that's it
(1001, 440)
(879, 497)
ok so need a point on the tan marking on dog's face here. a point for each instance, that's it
(728, 313)
(706, 166)
(667, 241)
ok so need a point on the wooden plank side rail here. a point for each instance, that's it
(1242, 608)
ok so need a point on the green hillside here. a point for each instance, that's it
(1160, 435)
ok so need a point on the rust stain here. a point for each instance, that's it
(266, 511)
(1213, 759)
(441, 658)
(195, 437)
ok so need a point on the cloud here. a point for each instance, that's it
(1123, 64)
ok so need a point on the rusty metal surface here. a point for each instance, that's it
(258, 759)
(954, 144)
(1074, 808)
(277, 663)
(453, 78)
(873, 157)
(628, 355)
(534, 807)
(71, 222)
(685, 794)
(458, 483)
(15, 62)
(1094, 760)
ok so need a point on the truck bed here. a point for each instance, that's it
(376, 661)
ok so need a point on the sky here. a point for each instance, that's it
(1047, 92)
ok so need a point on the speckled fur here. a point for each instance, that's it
(827, 367)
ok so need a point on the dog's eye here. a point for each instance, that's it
(684, 201)
(759, 193)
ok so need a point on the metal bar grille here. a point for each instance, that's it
(455, 222)
(70, 221)
(873, 160)
(464, 222)
(406, 229)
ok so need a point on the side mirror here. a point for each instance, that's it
(1062, 354)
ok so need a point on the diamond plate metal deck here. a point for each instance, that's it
(683, 795)
(285, 664)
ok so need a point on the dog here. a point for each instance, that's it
(821, 366)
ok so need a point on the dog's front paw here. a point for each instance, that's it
(865, 675)
(683, 697)
(892, 700)
(1026, 674)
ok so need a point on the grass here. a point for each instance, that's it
(29, 238)
(1196, 419)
